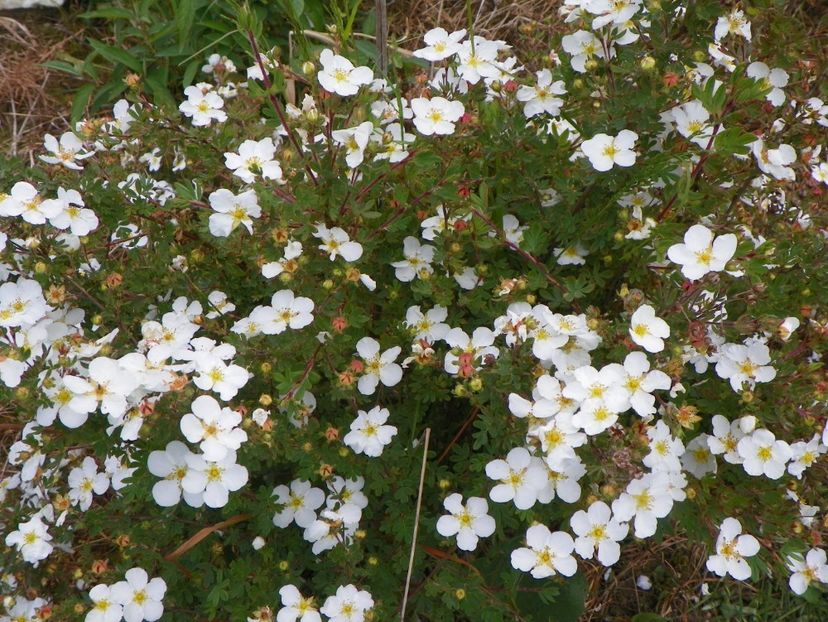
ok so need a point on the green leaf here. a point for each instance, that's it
(184, 18)
(62, 66)
(107, 13)
(80, 101)
(116, 55)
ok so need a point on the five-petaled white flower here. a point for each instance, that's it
(105, 608)
(213, 427)
(436, 115)
(369, 435)
(32, 540)
(747, 363)
(349, 604)
(295, 607)
(254, 159)
(605, 151)
(377, 367)
(203, 105)
(763, 454)
(336, 242)
(597, 530)
(299, 502)
(468, 522)
(805, 570)
(732, 547)
(541, 98)
(440, 44)
(354, 139)
(338, 74)
(232, 210)
(417, 262)
(647, 330)
(520, 479)
(701, 253)
(546, 553)
(140, 596)
(65, 152)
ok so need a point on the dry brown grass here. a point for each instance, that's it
(526, 24)
(34, 100)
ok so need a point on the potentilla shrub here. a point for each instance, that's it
(531, 316)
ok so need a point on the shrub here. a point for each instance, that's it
(253, 347)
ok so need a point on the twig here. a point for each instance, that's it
(278, 107)
(416, 525)
(382, 36)
(200, 535)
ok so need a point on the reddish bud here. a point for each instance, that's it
(339, 323)
(357, 366)
(510, 86)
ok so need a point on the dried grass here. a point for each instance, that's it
(33, 99)
(526, 24)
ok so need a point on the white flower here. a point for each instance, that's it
(430, 325)
(32, 540)
(21, 303)
(775, 162)
(67, 152)
(600, 395)
(468, 354)
(647, 330)
(300, 503)
(745, 364)
(468, 522)
(440, 44)
(232, 210)
(477, 61)
(255, 158)
(804, 455)
(83, 481)
(285, 311)
(295, 607)
(597, 530)
(392, 141)
(698, 458)
(582, 46)
(774, 79)
(731, 549)
(562, 481)
(105, 608)
(640, 382)
(338, 74)
(417, 262)
(726, 437)
(203, 105)
(217, 376)
(812, 567)
(546, 553)
(692, 122)
(368, 433)
(436, 115)
(605, 151)
(171, 465)
(763, 454)
(349, 604)
(520, 479)
(512, 230)
(541, 98)
(213, 427)
(24, 200)
(219, 305)
(701, 253)
(665, 450)
(215, 479)
(378, 367)
(108, 383)
(734, 23)
(140, 596)
(335, 241)
(647, 499)
(72, 215)
(354, 139)
(571, 255)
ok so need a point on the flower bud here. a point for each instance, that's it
(308, 68)
(647, 63)
(265, 400)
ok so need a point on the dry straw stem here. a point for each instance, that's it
(416, 525)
